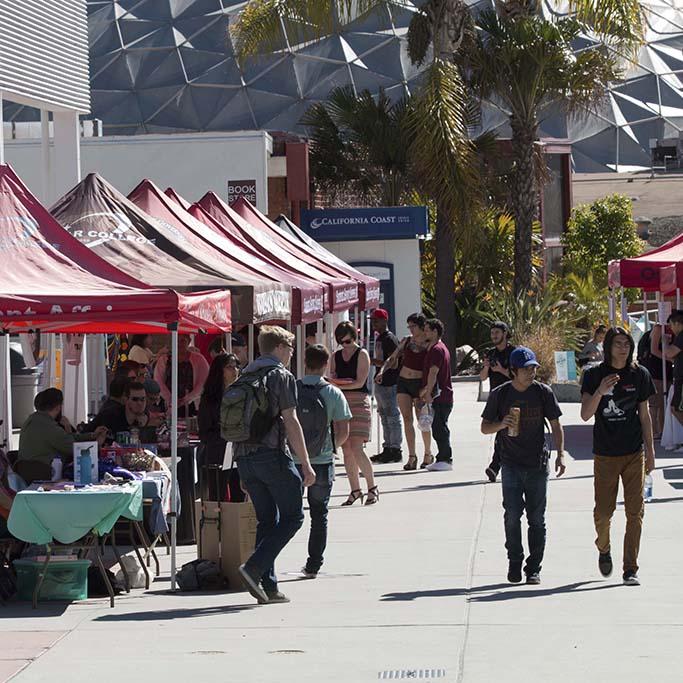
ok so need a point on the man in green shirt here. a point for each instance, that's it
(339, 414)
(44, 436)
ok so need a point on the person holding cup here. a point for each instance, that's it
(516, 413)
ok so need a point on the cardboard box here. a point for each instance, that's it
(237, 524)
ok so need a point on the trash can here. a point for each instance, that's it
(24, 390)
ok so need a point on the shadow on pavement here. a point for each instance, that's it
(165, 615)
(504, 591)
(23, 610)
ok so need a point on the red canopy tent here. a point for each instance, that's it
(369, 289)
(54, 282)
(148, 197)
(119, 231)
(642, 271)
(343, 292)
(172, 194)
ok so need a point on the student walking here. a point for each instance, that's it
(497, 370)
(349, 369)
(516, 413)
(258, 415)
(325, 416)
(385, 389)
(437, 391)
(617, 392)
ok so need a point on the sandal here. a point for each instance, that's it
(411, 464)
(355, 495)
(428, 460)
(373, 496)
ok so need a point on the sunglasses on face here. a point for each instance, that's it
(137, 399)
(346, 341)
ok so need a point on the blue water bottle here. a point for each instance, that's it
(86, 467)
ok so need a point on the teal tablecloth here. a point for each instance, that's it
(66, 516)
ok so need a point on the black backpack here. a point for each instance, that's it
(644, 352)
(312, 413)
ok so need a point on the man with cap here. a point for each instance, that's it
(516, 413)
(239, 348)
(496, 370)
(385, 389)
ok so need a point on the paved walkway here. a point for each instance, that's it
(416, 583)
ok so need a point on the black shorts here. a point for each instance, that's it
(409, 386)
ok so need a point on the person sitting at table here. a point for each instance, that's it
(155, 404)
(112, 406)
(133, 413)
(131, 370)
(192, 373)
(42, 438)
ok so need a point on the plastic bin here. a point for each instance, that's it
(65, 579)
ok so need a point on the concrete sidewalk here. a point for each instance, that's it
(413, 584)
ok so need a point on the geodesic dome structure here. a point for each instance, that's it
(162, 66)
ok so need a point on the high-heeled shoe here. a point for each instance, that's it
(355, 495)
(411, 464)
(428, 460)
(373, 496)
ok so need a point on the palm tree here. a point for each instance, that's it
(359, 146)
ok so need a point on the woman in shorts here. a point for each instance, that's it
(349, 369)
(410, 355)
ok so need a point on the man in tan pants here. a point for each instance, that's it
(617, 392)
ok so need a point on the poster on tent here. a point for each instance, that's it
(565, 366)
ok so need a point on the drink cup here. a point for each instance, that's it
(516, 414)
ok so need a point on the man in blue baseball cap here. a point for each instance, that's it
(516, 413)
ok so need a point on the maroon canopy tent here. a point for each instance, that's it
(119, 231)
(343, 292)
(642, 271)
(369, 289)
(148, 197)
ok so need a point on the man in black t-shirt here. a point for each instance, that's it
(497, 370)
(385, 391)
(524, 455)
(616, 392)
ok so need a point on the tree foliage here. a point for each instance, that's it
(596, 234)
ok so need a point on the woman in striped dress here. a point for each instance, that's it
(349, 368)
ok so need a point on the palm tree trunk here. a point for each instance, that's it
(445, 276)
(524, 200)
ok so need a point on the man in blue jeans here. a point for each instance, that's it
(267, 470)
(516, 413)
(338, 414)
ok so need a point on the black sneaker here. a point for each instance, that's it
(631, 578)
(491, 474)
(380, 456)
(276, 597)
(251, 583)
(605, 564)
(515, 572)
(533, 579)
(393, 455)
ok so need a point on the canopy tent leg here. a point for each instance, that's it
(329, 332)
(228, 342)
(624, 308)
(319, 332)
(678, 297)
(251, 342)
(646, 315)
(174, 450)
(612, 309)
(300, 341)
(658, 298)
(5, 393)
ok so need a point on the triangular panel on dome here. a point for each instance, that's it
(602, 148)
(100, 20)
(181, 113)
(209, 103)
(147, 34)
(157, 68)
(267, 105)
(338, 78)
(115, 76)
(153, 99)
(276, 74)
(156, 10)
(235, 114)
(106, 40)
(387, 60)
(290, 119)
(198, 62)
(329, 48)
(193, 8)
(206, 32)
(633, 109)
(363, 43)
(366, 80)
(225, 73)
(311, 73)
(402, 14)
(117, 106)
(586, 126)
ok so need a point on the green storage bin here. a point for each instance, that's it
(65, 579)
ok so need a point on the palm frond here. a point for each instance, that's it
(621, 22)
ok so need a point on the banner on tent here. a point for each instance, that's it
(382, 223)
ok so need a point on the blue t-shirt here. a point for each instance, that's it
(337, 411)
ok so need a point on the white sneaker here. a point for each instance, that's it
(440, 466)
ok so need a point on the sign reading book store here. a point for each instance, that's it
(382, 223)
(242, 188)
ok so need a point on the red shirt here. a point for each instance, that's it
(439, 356)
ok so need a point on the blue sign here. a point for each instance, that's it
(385, 223)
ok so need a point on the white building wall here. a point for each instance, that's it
(404, 255)
(192, 164)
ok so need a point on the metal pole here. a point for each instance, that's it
(228, 342)
(319, 332)
(174, 450)
(300, 340)
(251, 342)
(658, 298)
(646, 315)
(678, 297)
(623, 306)
(612, 308)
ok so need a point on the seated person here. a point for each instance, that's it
(115, 401)
(132, 414)
(155, 404)
(46, 435)
(131, 370)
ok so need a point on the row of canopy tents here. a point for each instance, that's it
(120, 263)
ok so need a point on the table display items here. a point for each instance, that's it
(86, 463)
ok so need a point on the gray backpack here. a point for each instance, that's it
(312, 414)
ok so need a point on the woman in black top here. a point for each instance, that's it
(349, 368)
(223, 372)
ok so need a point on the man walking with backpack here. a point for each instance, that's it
(325, 416)
(516, 413)
(258, 415)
